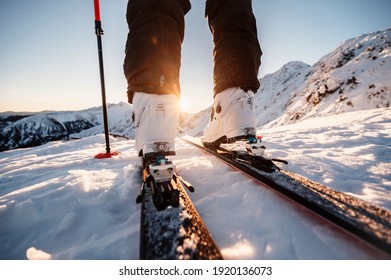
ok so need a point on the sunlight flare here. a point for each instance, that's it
(184, 104)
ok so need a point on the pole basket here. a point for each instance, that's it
(106, 155)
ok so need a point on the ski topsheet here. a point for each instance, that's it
(171, 228)
(369, 222)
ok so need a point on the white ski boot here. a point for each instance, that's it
(232, 119)
(156, 118)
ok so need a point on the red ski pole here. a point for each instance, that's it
(99, 33)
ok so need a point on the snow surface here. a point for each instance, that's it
(58, 202)
(331, 121)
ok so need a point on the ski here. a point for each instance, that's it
(170, 228)
(366, 221)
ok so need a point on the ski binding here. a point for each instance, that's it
(162, 170)
(255, 147)
(164, 184)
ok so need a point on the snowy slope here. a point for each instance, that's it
(58, 202)
(275, 93)
(350, 152)
(356, 76)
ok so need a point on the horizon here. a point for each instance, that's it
(54, 61)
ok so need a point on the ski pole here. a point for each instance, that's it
(99, 33)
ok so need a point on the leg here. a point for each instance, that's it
(236, 62)
(237, 52)
(153, 47)
(152, 63)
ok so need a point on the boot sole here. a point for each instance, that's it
(249, 133)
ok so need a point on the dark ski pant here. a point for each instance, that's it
(156, 32)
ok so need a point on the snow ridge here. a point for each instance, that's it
(353, 77)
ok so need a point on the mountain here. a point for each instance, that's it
(28, 130)
(355, 76)
(19, 131)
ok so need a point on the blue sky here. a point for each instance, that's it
(49, 61)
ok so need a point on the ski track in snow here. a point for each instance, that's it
(58, 202)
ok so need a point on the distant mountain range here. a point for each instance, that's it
(355, 76)
(26, 130)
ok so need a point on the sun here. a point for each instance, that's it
(184, 104)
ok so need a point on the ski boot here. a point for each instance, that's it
(232, 118)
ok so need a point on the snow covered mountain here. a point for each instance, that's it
(27, 130)
(355, 76)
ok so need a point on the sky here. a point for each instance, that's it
(49, 57)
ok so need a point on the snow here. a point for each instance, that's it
(331, 121)
(58, 202)
(350, 152)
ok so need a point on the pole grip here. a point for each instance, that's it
(97, 10)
